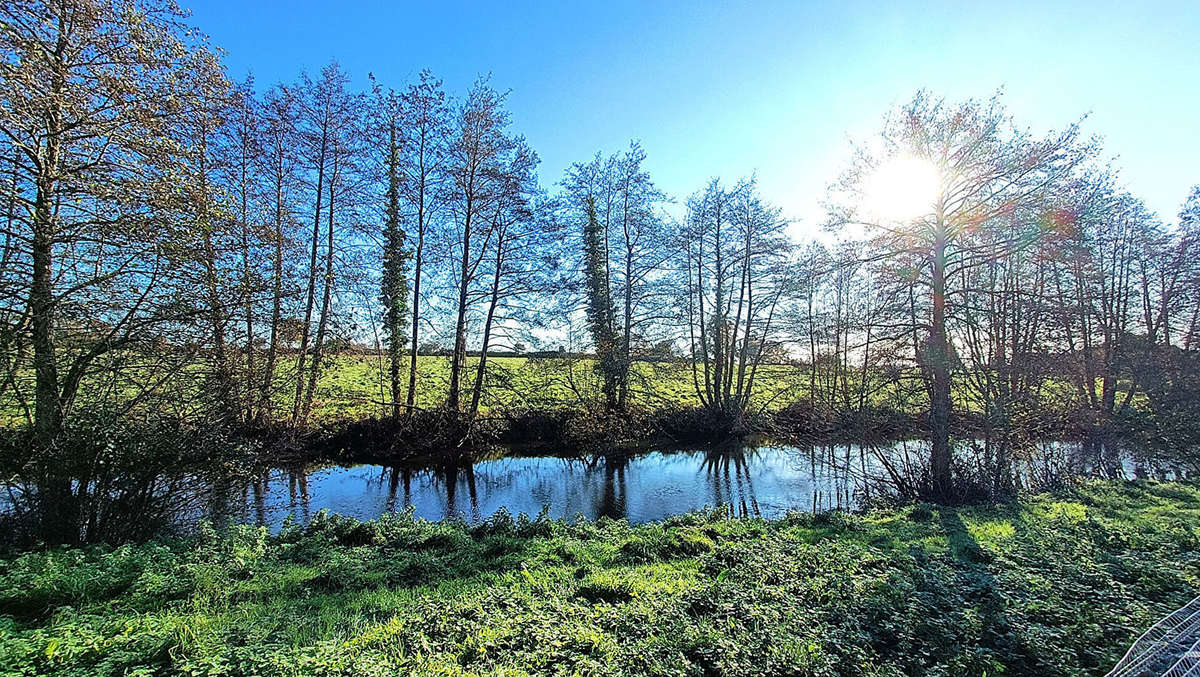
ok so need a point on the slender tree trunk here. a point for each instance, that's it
(310, 299)
(393, 239)
(718, 329)
(411, 398)
(938, 361)
(327, 296)
(247, 284)
(222, 378)
(626, 357)
(276, 295)
(458, 360)
(481, 371)
(48, 412)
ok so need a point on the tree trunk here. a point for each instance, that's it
(47, 404)
(276, 297)
(411, 399)
(326, 298)
(298, 403)
(458, 360)
(247, 283)
(938, 364)
(481, 371)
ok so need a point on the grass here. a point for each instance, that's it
(350, 387)
(1056, 585)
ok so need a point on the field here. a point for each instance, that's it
(350, 387)
(1057, 585)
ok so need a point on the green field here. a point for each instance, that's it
(1057, 585)
(351, 386)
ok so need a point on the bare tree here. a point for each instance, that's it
(735, 279)
(93, 94)
(279, 165)
(985, 169)
(422, 156)
(475, 160)
(514, 248)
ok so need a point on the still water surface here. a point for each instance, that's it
(762, 481)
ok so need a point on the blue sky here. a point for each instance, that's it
(726, 89)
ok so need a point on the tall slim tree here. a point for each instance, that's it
(600, 309)
(426, 116)
(279, 165)
(393, 291)
(327, 118)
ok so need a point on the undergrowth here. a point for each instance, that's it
(1058, 584)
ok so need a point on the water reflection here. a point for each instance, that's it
(749, 481)
(763, 481)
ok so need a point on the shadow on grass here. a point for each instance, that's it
(979, 587)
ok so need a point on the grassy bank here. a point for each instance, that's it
(1059, 584)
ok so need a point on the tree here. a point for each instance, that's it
(600, 311)
(94, 96)
(475, 160)
(982, 170)
(1109, 236)
(242, 145)
(514, 258)
(327, 119)
(278, 164)
(623, 251)
(393, 292)
(422, 156)
(734, 280)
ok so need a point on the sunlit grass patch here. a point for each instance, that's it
(1054, 584)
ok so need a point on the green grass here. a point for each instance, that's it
(350, 386)
(1056, 585)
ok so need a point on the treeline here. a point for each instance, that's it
(181, 244)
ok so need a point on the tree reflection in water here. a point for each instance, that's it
(752, 481)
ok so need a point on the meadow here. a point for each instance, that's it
(350, 387)
(1059, 584)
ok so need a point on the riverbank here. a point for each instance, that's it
(1055, 585)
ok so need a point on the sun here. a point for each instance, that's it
(903, 188)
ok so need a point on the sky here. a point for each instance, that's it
(774, 88)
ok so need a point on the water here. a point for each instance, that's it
(765, 481)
